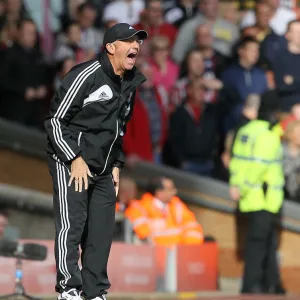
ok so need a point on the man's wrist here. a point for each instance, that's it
(118, 165)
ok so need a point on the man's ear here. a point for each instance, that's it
(111, 48)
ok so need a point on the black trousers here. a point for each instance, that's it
(261, 272)
(83, 219)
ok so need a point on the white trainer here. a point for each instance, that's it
(71, 294)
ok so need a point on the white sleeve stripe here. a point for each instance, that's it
(58, 142)
(57, 132)
(69, 95)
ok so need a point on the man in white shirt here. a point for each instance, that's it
(281, 17)
(124, 11)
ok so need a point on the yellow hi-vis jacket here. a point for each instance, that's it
(256, 168)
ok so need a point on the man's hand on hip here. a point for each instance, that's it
(80, 172)
(116, 174)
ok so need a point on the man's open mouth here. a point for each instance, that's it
(132, 55)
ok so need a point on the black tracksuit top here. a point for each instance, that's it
(89, 112)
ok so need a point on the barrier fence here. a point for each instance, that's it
(131, 268)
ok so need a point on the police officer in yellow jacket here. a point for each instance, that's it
(257, 181)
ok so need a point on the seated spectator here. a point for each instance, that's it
(244, 77)
(124, 11)
(22, 78)
(152, 20)
(286, 68)
(214, 61)
(8, 34)
(225, 34)
(14, 11)
(270, 42)
(193, 67)
(193, 133)
(92, 38)
(183, 11)
(294, 115)
(62, 68)
(281, 16)
(132, 209)
(165, 71)
(170, 220)
(291, 161)
(146, 131)
(70, 47)
(3, 222)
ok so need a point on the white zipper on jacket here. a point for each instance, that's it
(79, 137)
(117, 132)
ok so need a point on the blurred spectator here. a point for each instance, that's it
(193, 67)
(171, 221)
(62, 68)
(70, 47)
(165, 71)
(132, 209)
(152, 20)
(183, 11)
(146, 131)
(286, 68)
(244, 76)
(14, 11)
(92, 38)
(22, 78)
(281, 16)
(9, 34)
(44, 11)
(294, 115)
(3, 222)
(291, 161)
(193, 132)
(124, 11)
(225, 34)
(215, 62)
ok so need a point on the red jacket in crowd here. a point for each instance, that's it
(137, 139)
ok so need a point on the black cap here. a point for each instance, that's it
(122, 31)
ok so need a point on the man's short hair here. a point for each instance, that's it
(245, 41)
(85, 5)
(21, 22)
(156, 184)
(252, 101)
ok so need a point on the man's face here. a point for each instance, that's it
(13, 5)
(204, 37)
(263, 15)
(87, 18)
(168, 192)
(196, 92)
(3, 224)
(126, 52)
(27, 35)
(209, 8)
(250, 53)
(195, 64)
(293, 35)
(154, 12)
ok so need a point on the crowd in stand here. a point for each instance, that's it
(203, 61)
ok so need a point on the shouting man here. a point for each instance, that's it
(87, 120)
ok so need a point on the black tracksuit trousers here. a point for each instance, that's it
(85, 219)
(261, 272)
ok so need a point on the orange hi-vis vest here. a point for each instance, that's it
(171, 224)
(137, 216)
